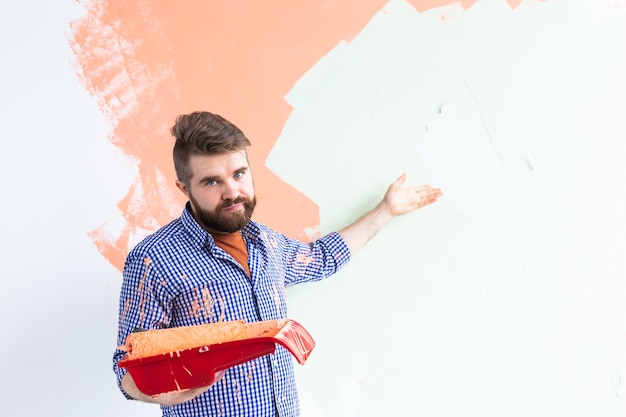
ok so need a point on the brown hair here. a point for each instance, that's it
(203, 133)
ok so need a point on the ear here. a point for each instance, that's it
(182, 187)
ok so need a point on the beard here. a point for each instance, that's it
(224, 222)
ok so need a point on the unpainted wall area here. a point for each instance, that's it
(504, 298)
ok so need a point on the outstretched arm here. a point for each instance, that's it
(397, 201)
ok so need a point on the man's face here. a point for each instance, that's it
(220, 191)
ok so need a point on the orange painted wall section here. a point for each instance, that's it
(146, 62)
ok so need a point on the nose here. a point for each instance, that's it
(230, 190)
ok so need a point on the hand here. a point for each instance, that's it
(397, 201)
(400, 200)
(170, 398)
(177, 397)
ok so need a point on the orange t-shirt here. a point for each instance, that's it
(233, 244)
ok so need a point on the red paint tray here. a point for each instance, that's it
(197, 367)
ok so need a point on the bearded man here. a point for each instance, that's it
(214, 263)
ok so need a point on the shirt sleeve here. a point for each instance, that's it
(143, 304)
(317, 260)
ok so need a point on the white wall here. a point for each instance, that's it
(504, 299)
(60, 178)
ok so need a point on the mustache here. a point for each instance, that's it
(238, 200)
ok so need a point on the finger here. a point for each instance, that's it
(421, 188)
(431, 191)
(429, 195)
(400, 180)
(428, 190)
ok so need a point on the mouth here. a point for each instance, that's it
(234, 207)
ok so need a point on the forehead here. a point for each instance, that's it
(219, 165)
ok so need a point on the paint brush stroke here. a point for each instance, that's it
(424, 5)
(383, 88)
(146, 62)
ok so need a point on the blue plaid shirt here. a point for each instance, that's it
(178, 276)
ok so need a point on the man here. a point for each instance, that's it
(216, 264)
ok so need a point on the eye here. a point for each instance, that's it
(211, 183)
(238, 175)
